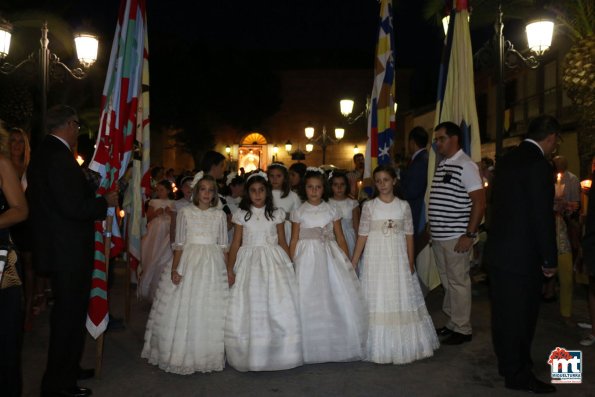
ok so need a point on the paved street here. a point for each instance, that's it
(466, 370)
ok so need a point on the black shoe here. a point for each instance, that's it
(86, 373)
(534, 385)
(444, 332)
(72, 392)
(456, 339)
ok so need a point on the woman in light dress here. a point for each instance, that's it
(332, 309)
(156, 251)
(262, 332)
(400, 328)
(186, 325)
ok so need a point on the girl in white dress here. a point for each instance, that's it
(156, 250)
(332, 310)
(401, 330)
(347, 207)
(283, 196)
(262, 332)
(186, 325)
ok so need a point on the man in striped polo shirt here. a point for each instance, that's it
(457, 205)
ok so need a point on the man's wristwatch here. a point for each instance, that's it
(471, 235)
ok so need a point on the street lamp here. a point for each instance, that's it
(539, 38)
(346, 106)
(324, 140)
(86, 49)
(275, 152)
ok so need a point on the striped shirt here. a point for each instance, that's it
(450, 205)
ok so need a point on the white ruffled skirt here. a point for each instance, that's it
(186, 325)
(262, 331)
(332, 309)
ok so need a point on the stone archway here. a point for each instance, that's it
(252, 152)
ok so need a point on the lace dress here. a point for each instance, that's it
(288, 204)
(401, 329)
(345, 208)
(262, 332)
(156, 251)
(332, 309)
(186, 325)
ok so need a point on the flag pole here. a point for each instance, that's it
(108, 242)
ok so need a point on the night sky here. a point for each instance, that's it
(189, 38)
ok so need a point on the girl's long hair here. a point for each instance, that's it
(245, 204)
(338, 174)
(214, 200)
(285, 188)
(319, 176)
(391, 171)
(27, 151)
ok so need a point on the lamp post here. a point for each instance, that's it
(539, 38)
(86, 49)
(324, 140)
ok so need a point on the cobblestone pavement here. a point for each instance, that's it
(465, 370)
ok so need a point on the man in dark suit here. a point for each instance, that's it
(415, 178)
(63, 211)
(521, 249)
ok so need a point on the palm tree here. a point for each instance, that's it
(577, 19)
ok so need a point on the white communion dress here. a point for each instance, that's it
(345, 208)
(186, 325)
(262, 332)
(332, 309)
(400, 327)
(288, 204)
(155, 249)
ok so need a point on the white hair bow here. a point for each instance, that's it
(197, 178)
(259, 173)
(230, 178)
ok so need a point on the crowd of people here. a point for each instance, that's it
(294, 265)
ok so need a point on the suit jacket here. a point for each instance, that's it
(522, 236)
(413, 186)
(63, 208)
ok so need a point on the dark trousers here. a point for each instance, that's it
(515, 307)
(67, 328)
(11, 340)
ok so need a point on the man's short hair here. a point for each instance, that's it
(543, 126)
(357, 155)
(57, 116)
(451, 130)
(419, 135)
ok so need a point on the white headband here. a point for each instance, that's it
(278, 165)
(259, 173)
(315, 169)
(197, 178)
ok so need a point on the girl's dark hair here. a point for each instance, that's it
(214, 200)
(299, 168)
(245, 204)
(170, 190)
(393, 174)
(339, 174)
(156, 170)
(322, 178)
(210, 159)
(237, 180)
(285, 188)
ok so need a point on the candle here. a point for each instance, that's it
(559, 188)
(586, 184)
(559, 178)
(121, 213)
(79, 160)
